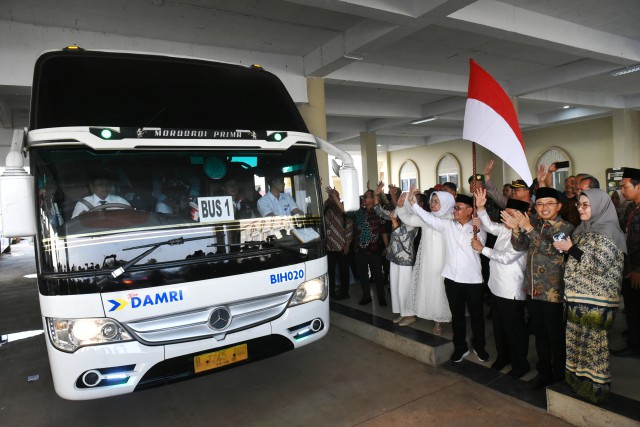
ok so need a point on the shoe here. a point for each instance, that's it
(625, 352)
(382, 302)
(409, 320)
(458, 356)
(498, 365)
(538, 382)
(437, 328)
(398, 319)
(515, 373)
(364, 301)
(482, 355)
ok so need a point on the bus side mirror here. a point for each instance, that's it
(350, 194)
(17, 206)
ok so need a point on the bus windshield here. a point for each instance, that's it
(102, 210)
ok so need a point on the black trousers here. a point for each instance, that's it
(510, 332)
(470, 295)
(365, 262)
(632, 314)
(342, 261)
(547, 320)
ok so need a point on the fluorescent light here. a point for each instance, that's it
(626, 70)
(566, 106)
(425, 120)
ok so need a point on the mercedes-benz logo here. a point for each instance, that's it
(220, 318)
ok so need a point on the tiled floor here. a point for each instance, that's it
(626, 371)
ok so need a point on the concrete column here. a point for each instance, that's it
(315, 118)
(387, 173)
(626, 138)
(369, 150)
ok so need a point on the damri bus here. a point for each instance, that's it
(180, 271)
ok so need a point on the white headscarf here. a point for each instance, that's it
(447, 202)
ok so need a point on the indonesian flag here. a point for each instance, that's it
(491, 121)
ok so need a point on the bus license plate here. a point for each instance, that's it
(220, 358)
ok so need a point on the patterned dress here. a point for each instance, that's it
(592, 291)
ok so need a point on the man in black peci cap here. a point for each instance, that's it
(630, 224)
(543, 280)
(463, 275)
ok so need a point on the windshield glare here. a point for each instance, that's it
(100, 210)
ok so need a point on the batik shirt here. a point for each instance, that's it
(369, 228)
(339, 228)
(630, 224)
(401, 250)
(543, 277)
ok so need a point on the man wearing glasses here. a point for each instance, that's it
(543, 281)
(630, 224)
(462, 274)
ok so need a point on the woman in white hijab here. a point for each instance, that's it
(428, 299)
(593, 279)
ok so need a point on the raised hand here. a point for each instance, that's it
(509, 222)
(481, 198)
(401, 200)
(524, 221)
(542, 175)
(379, 187)
(487, 169)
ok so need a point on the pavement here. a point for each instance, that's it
(342, 380)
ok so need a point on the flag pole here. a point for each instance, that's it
(473, 188)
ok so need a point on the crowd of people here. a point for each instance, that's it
(553, 263)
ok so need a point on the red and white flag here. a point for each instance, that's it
(491, 121)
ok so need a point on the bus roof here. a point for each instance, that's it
(95, 88)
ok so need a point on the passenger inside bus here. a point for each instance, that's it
(276, 201)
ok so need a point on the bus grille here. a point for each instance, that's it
(194, 325)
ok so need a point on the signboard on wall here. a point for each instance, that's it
(614, 176)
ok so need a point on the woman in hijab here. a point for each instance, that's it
(593, 278)
(428, 299)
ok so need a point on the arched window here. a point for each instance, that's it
(555, 155)
(409, 175)
(448, 170)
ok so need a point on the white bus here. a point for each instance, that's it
(156, 260)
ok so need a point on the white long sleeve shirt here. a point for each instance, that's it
(506, 264)
(462, 263)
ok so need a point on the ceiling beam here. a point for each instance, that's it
(400, 78)
(370, 35)
(511, 22)
(334, 107)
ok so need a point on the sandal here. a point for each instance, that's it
(398, 319)
(437, 328)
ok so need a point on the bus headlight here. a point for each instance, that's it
(71, 334)
(311, 290)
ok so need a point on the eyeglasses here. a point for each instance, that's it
(458, 208)
(542, 205)
(583, 205)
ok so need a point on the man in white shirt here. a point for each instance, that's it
(101, 187)
(462, 274)
(506, 284)
(276, 202)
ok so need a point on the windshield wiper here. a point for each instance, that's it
(272, 240)
(152, 247)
